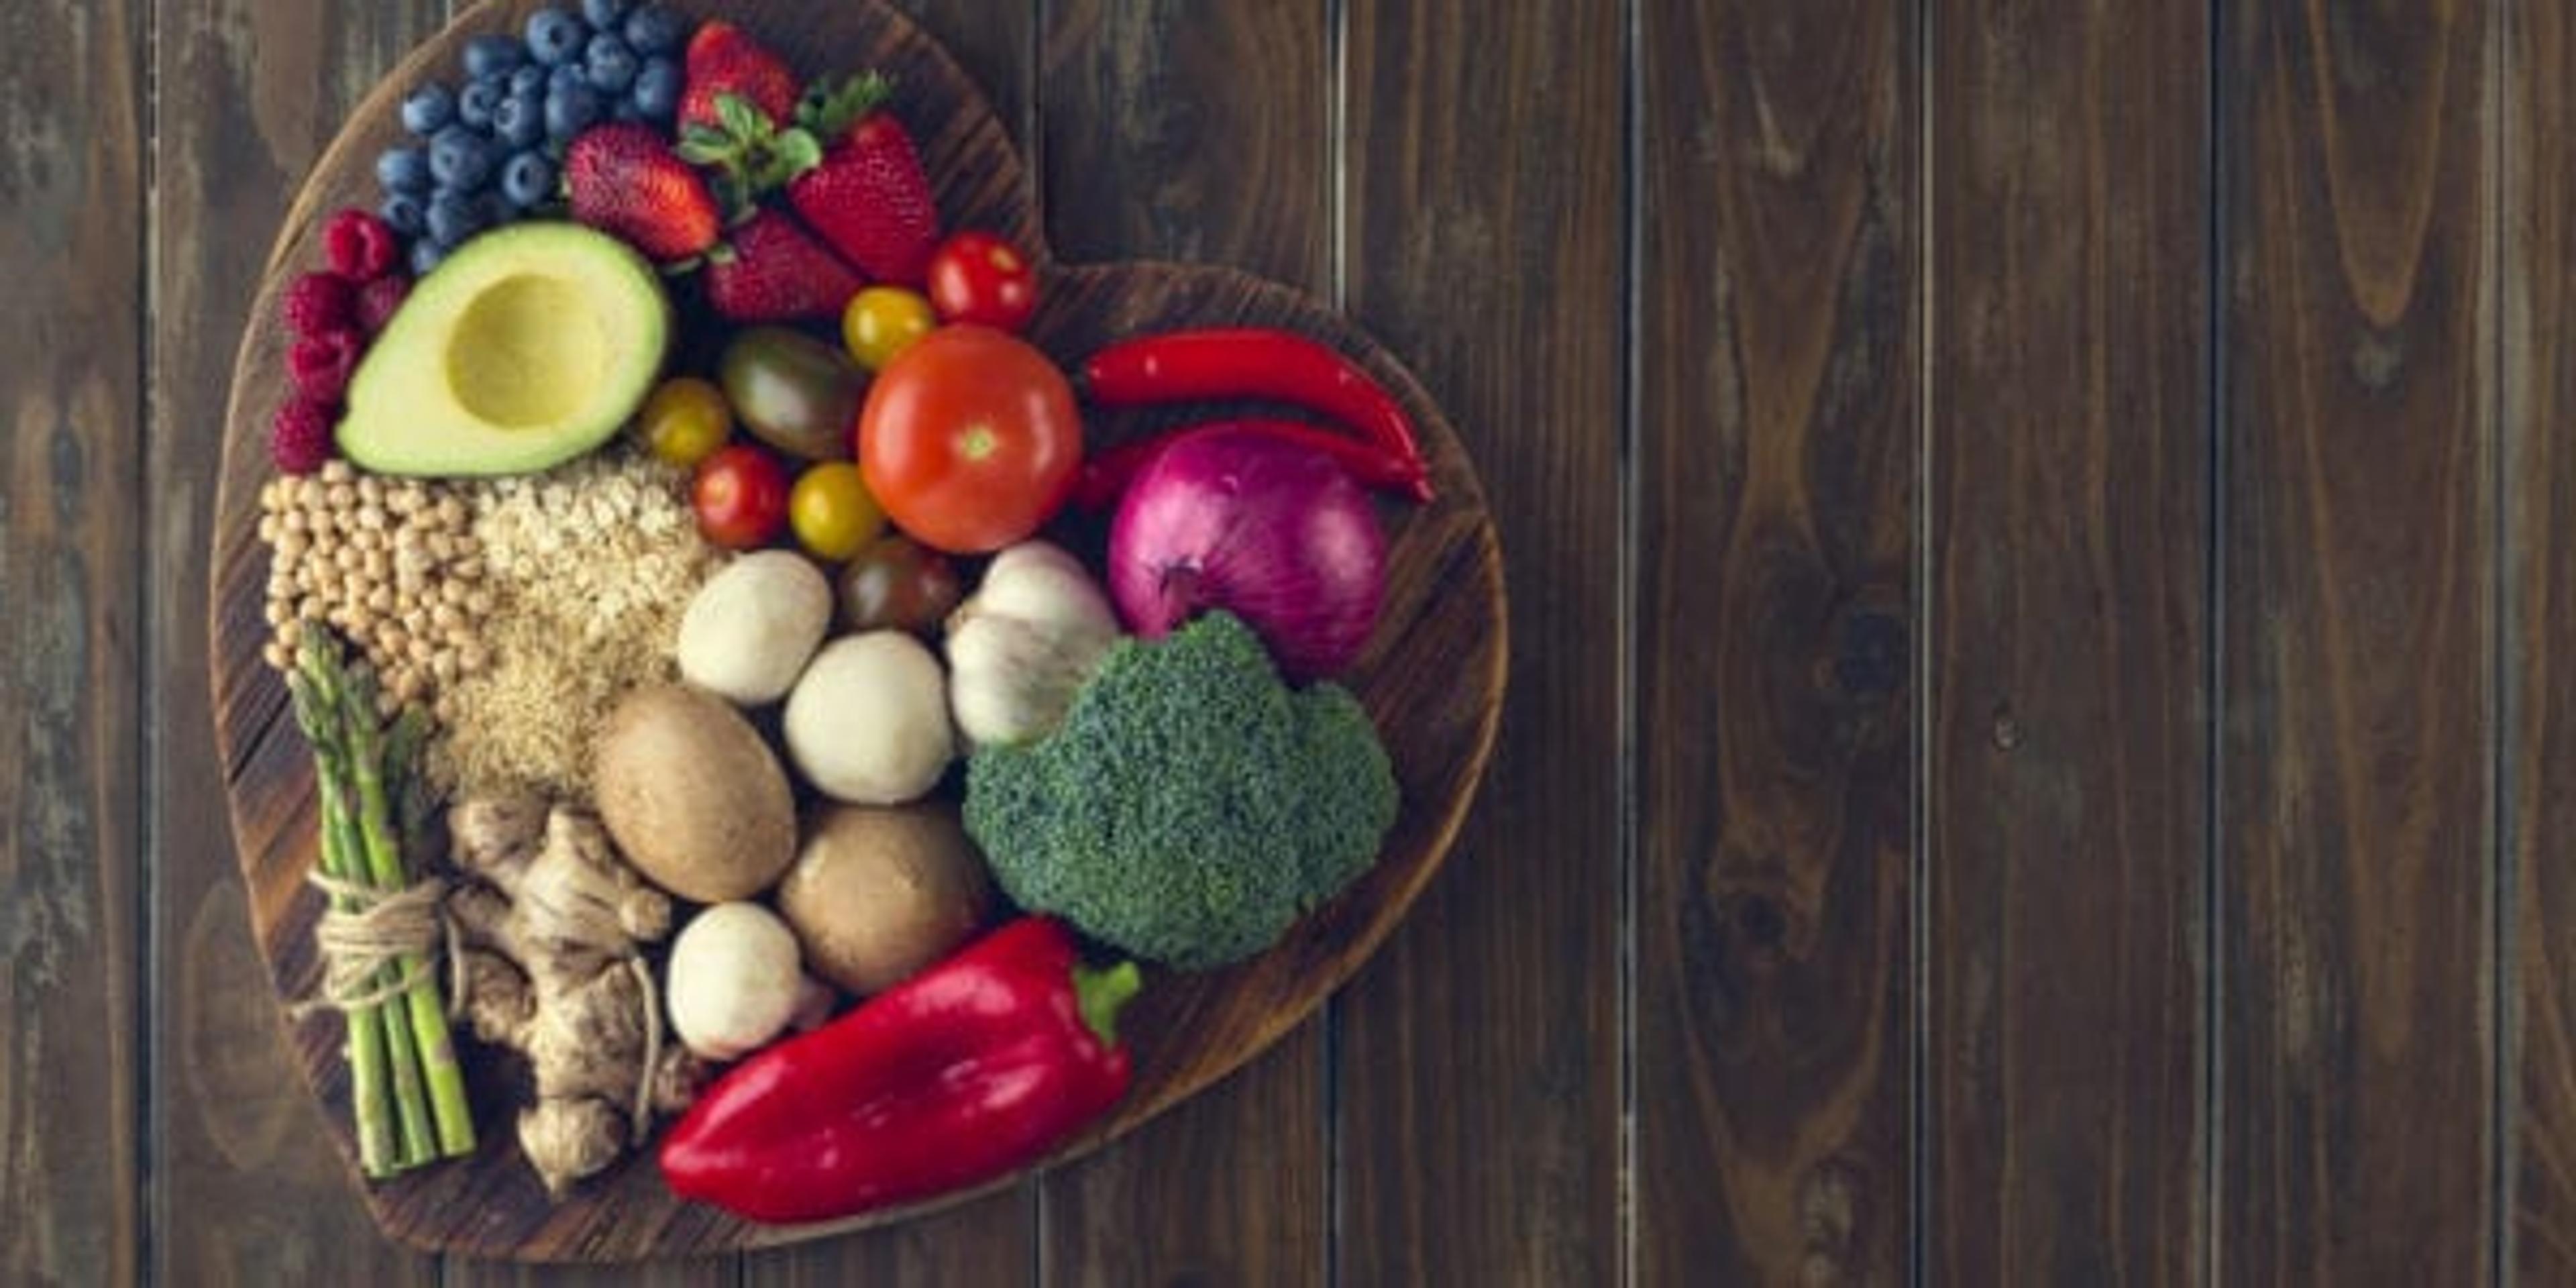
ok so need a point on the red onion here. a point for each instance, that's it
(1274, 532)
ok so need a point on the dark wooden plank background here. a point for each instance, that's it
(2036, 734)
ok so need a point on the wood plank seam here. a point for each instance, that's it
(1921, 1209)
(149, 936)
(2504, 975)
(1629, 579)
(2213, 937)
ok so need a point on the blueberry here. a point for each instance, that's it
(530, 79)
(403, 170)
(427, 108)
(405, 213)
(611, 64)
(604, 14)
(460, 159)
(528, 180)
(454, 216)
(555, 37)
(474, 106)
(657, 88)
(624, 111)
(520, 120)
(570, 110)
(492, 55)
(425, 255)
(656, 29)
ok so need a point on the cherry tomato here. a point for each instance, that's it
(970, 439)
(883, 321)
(831, 511)
(792, 391)
(740, 497)
(978, 277)
(898, 583)
(685, 420)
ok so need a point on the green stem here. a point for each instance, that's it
(452, 1118)
(365, 1045)
(1102, 993)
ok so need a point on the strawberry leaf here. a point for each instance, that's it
(798, 152)
(743, 119)
(700, 145)
(828, 109)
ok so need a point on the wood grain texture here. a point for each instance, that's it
(1479, 1069)
(250, 93)
(2538, 375)
(1431, 678)
(71, 706)
(1195, 131)
(1776, 427)
(2356, 566)
(2067, 811)
(993, 1240)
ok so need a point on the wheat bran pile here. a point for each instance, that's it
(589, 567)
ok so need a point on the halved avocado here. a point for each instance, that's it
(529, 346)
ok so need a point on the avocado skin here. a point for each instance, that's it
(405, 416)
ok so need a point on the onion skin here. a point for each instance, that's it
(1274, 532)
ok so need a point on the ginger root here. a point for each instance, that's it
(554, 922)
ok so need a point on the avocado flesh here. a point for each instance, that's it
(529, 346)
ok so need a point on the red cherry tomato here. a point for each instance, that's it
(969, 439)
(978, 277)
(741, 497)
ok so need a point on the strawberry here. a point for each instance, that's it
(299, 440)
(868, 195)
(624, 179)
(317, 302)
(722, 59)
(321, 364)
(774, 271)
(378, 300)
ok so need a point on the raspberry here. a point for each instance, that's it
(299, 440)
(378, 299)
(321, 364)
(319, 302)
(360, 246)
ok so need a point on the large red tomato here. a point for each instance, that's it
(970, 439)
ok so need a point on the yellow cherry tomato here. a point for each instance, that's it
(881, 321)
(831, 511)
(685, 420)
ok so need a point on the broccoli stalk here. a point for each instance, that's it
(1192, 806)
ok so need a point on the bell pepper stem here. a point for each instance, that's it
(1101, 992)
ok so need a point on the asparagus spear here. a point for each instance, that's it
(454, 1119)
(365, 1049)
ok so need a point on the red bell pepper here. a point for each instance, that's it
(1105, 475)
(1250, 362)
(961, 1074)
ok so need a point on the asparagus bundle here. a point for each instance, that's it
(408, 1093)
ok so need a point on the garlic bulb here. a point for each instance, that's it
(1024, 644)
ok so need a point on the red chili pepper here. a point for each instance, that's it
(1249, 362)
(1105, 475)
(956, 1076)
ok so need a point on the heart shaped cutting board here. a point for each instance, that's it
(1432, 678)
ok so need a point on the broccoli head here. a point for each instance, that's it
(1191, 806)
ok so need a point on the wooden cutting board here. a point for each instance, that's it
(1432, 678)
